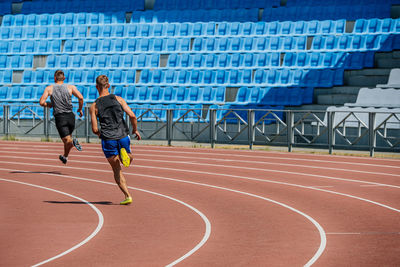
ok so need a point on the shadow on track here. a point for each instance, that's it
(80, 202)
(55, 172)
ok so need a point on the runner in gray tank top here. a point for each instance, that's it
(60, 97)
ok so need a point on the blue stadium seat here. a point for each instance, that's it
(208, 95)
(259, 76)
(223, 60)
(247, 76)
(170, 76)
(186, 60)
(236, 60)
(186, 29)
(235, 76)
(224, 44)
(120, 91)
(119, 76)
(131, 94)
(132, 45)
(173, 60)
(183, 77)
(242, 96)
(169, 94)
(131, 77)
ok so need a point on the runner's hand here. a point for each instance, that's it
(137, 135)
(80, 112)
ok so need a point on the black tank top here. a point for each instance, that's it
(111, 117)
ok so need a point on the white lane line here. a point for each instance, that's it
(370, 185)
(227, 160)
(229, 166)
(321, 231)
(321, 186)
(207, 223)
(197, 152)
(87, 239)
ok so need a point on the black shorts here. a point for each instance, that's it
(65, 123)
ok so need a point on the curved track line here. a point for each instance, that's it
(264, 156)
(270, 157)
(321, 231)
(186, 255)
(230, 166)
(244, 161)
(87, 239)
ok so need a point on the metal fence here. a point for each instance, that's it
(368, 131)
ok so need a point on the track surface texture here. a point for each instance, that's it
(197, 207)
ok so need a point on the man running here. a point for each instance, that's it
(114, 132)
(60, 96)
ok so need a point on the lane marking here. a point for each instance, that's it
(321, 231)
(364, 233)
(136, 149)
(87, 239)
(231, 166)
(207, 223)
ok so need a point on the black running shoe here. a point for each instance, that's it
(63, 159)
(76, 144)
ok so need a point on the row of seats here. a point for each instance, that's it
(237, 44)
(337, 2)
(373, 26)
(235, 77)
(200, 60)
(169, 94)
(63, 19)
(323, 12)
(16, 62)
(79, 5)
(180, 112)
(211, 4)
(201, 15)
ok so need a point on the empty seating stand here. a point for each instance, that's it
(377, 97)
(394, 80)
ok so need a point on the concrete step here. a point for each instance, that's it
(368, 72)
(312, 107)
(349, 90)
(336, 99)
(396, 54)
(365, 81)
(387, 63)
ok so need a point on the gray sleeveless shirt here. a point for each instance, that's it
(61, 99)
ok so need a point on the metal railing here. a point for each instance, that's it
(368, 131)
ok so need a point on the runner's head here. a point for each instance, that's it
(102, 82)
(59, 76)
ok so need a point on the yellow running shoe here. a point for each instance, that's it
(127, 201)
(126, 160)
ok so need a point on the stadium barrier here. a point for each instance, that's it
(361, 130)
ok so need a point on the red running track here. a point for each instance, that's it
(197, 207)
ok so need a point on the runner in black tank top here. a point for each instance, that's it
(111, 118)
(60, 96)
(113, 132)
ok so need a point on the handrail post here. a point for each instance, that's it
(87, 129)
(330, 115)
(251, 121)
(46, 118)
(372, 133)
(213, 124)
(169, 126)
(290, 136)
(6, 124)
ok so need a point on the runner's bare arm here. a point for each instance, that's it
(93, 117)
(78, 94)
(131, 115)
(44, 97)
